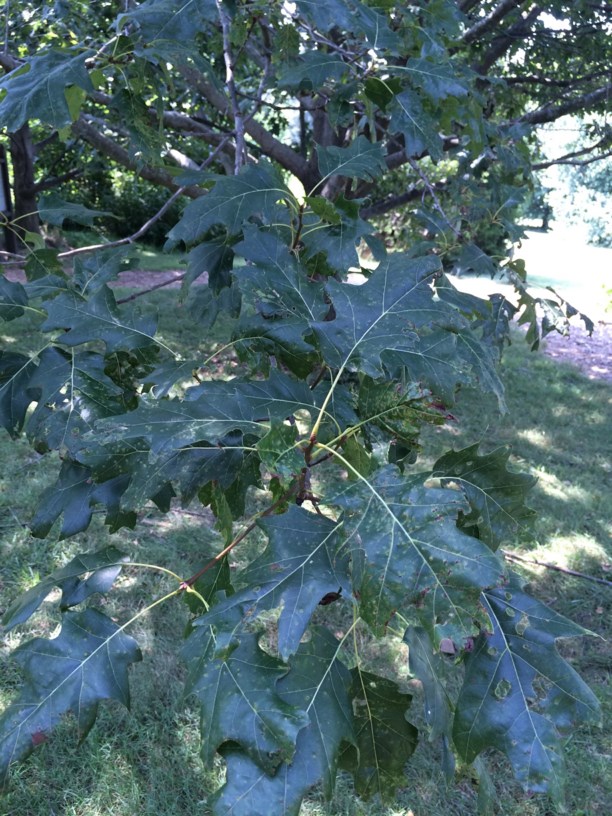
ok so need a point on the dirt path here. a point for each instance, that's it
(592, 355)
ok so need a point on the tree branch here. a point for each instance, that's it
(513, 557)
(490, 20)
(115, 152)
(230, 84)
(52, 183)
(551, 111)
(270, 146)
(568, 157)
(503, 42)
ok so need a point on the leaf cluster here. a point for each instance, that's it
(335, 380)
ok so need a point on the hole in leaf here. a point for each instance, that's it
(510, 612)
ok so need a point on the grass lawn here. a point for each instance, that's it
(146, 762)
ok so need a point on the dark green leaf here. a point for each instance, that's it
(95, 270)
(519, 695)
(384, 739)
(15, 373)
(54, 211)
(362, 160)
(232, 202)
(496, 495)
(300, 565)
(72, 391)
(426, 664)
(378, 315)
(13, 298)
(171, 20)
(101, 569)
(37, 90)
(413, 553)
(416, 124)
(473, 259)
(235, 683)
(438, 79)
(279, 452)
(73, 496)
(318, 684)
(86, 663)
(312, 70)
(98, 319)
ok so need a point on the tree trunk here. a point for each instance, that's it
(24, 191)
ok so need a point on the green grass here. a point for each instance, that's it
(146, 256)
(559, 427)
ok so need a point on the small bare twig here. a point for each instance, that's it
(155, 286)
(430, 189)
(513, 557)
(153, 220)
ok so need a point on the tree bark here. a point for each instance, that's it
(24, 189)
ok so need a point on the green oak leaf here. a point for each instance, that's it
(495, 494)
(379, 314)
(426, 664)
(37, 89)
(13, 298)
(407, 550)
(473, 259)
(398, 411)
(235, 682)
(94, 270)
(15, 373)
(54, 210)
(171, 20)
(318, 684)
(337, 242)
(73, 496)
(438, 79)
(284, 300)
(210, 412)
(384, 739)
(72, 392)
(73, 672)
(312, 70)
(362, 159)
(432, 360)
(519, 695)
(101, 569)
(98, 319)
(279, 452)
(232, 202)
(416, 124)
(301, 564)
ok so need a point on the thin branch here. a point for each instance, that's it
(52, 183)
(153, 220)
(155, 286)
(381, 207)
(572, 158)
(513, 557)
(430, 189)
(230, 84)
(554, 83)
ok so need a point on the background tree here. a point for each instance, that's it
(289, 127)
